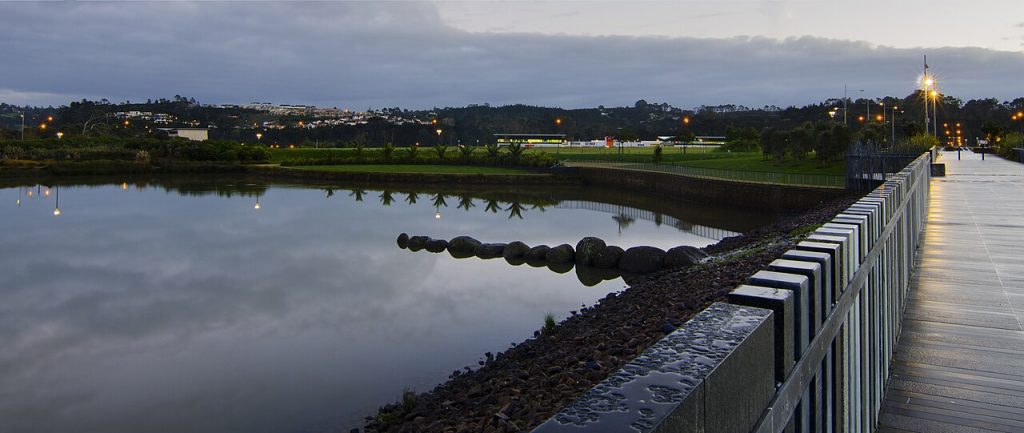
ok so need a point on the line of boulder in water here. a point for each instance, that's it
(589, 251)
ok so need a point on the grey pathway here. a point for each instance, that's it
(959, 364)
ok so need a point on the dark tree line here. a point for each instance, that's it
(470, 125)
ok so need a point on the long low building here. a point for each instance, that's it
(194, 134)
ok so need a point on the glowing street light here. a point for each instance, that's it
(60, 135)
(928, 82)
(259, 136)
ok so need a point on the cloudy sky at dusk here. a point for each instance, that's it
(557, 53)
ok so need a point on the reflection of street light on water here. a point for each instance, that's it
(257, 206)
(56, 205)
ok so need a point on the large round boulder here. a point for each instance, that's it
(403, 240)
(417, 243)
(642, 260)
(560, 254)
(607, 257)
(586, 248)
(683, 256)
(538, 253)
(462, 246)
(515, 250)
(490, 251)
(436, 245)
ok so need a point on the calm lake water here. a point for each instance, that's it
(177, 306)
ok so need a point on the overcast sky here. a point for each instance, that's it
(556, 53)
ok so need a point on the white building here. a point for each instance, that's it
(194, 134)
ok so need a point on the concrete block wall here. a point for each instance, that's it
(804, 346)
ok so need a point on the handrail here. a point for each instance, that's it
(781, 409)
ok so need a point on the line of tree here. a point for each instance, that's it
(477, 124)
(828, 141)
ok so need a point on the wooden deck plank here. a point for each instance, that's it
(959, 362)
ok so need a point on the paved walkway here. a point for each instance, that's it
(959, 365)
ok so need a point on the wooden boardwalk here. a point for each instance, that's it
(959, 363)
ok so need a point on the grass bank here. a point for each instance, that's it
(401, 168)
(753, 161)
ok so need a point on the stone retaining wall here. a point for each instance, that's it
(752, 195)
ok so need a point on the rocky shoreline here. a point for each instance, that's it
(520, 388)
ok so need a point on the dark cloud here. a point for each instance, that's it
(385, 54)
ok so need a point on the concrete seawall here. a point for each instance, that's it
(771, 197)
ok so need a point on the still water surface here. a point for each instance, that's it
(178, 306)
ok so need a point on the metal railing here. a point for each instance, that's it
(838, 381)
(834, 304)
(760, 177)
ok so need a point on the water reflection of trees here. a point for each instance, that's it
(513, 203)
(509, 204)
(466, 202)
(623, 221)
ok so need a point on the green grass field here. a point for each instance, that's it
(642, 154)
(691, 157)
(705, 158)
(278, 155)
(431, 169)
(632, 154)
(752, 161)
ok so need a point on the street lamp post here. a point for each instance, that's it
(893, 120)
(927, 83)
(22, 126)
(558, 129)
(844, 103)
(935, 113)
